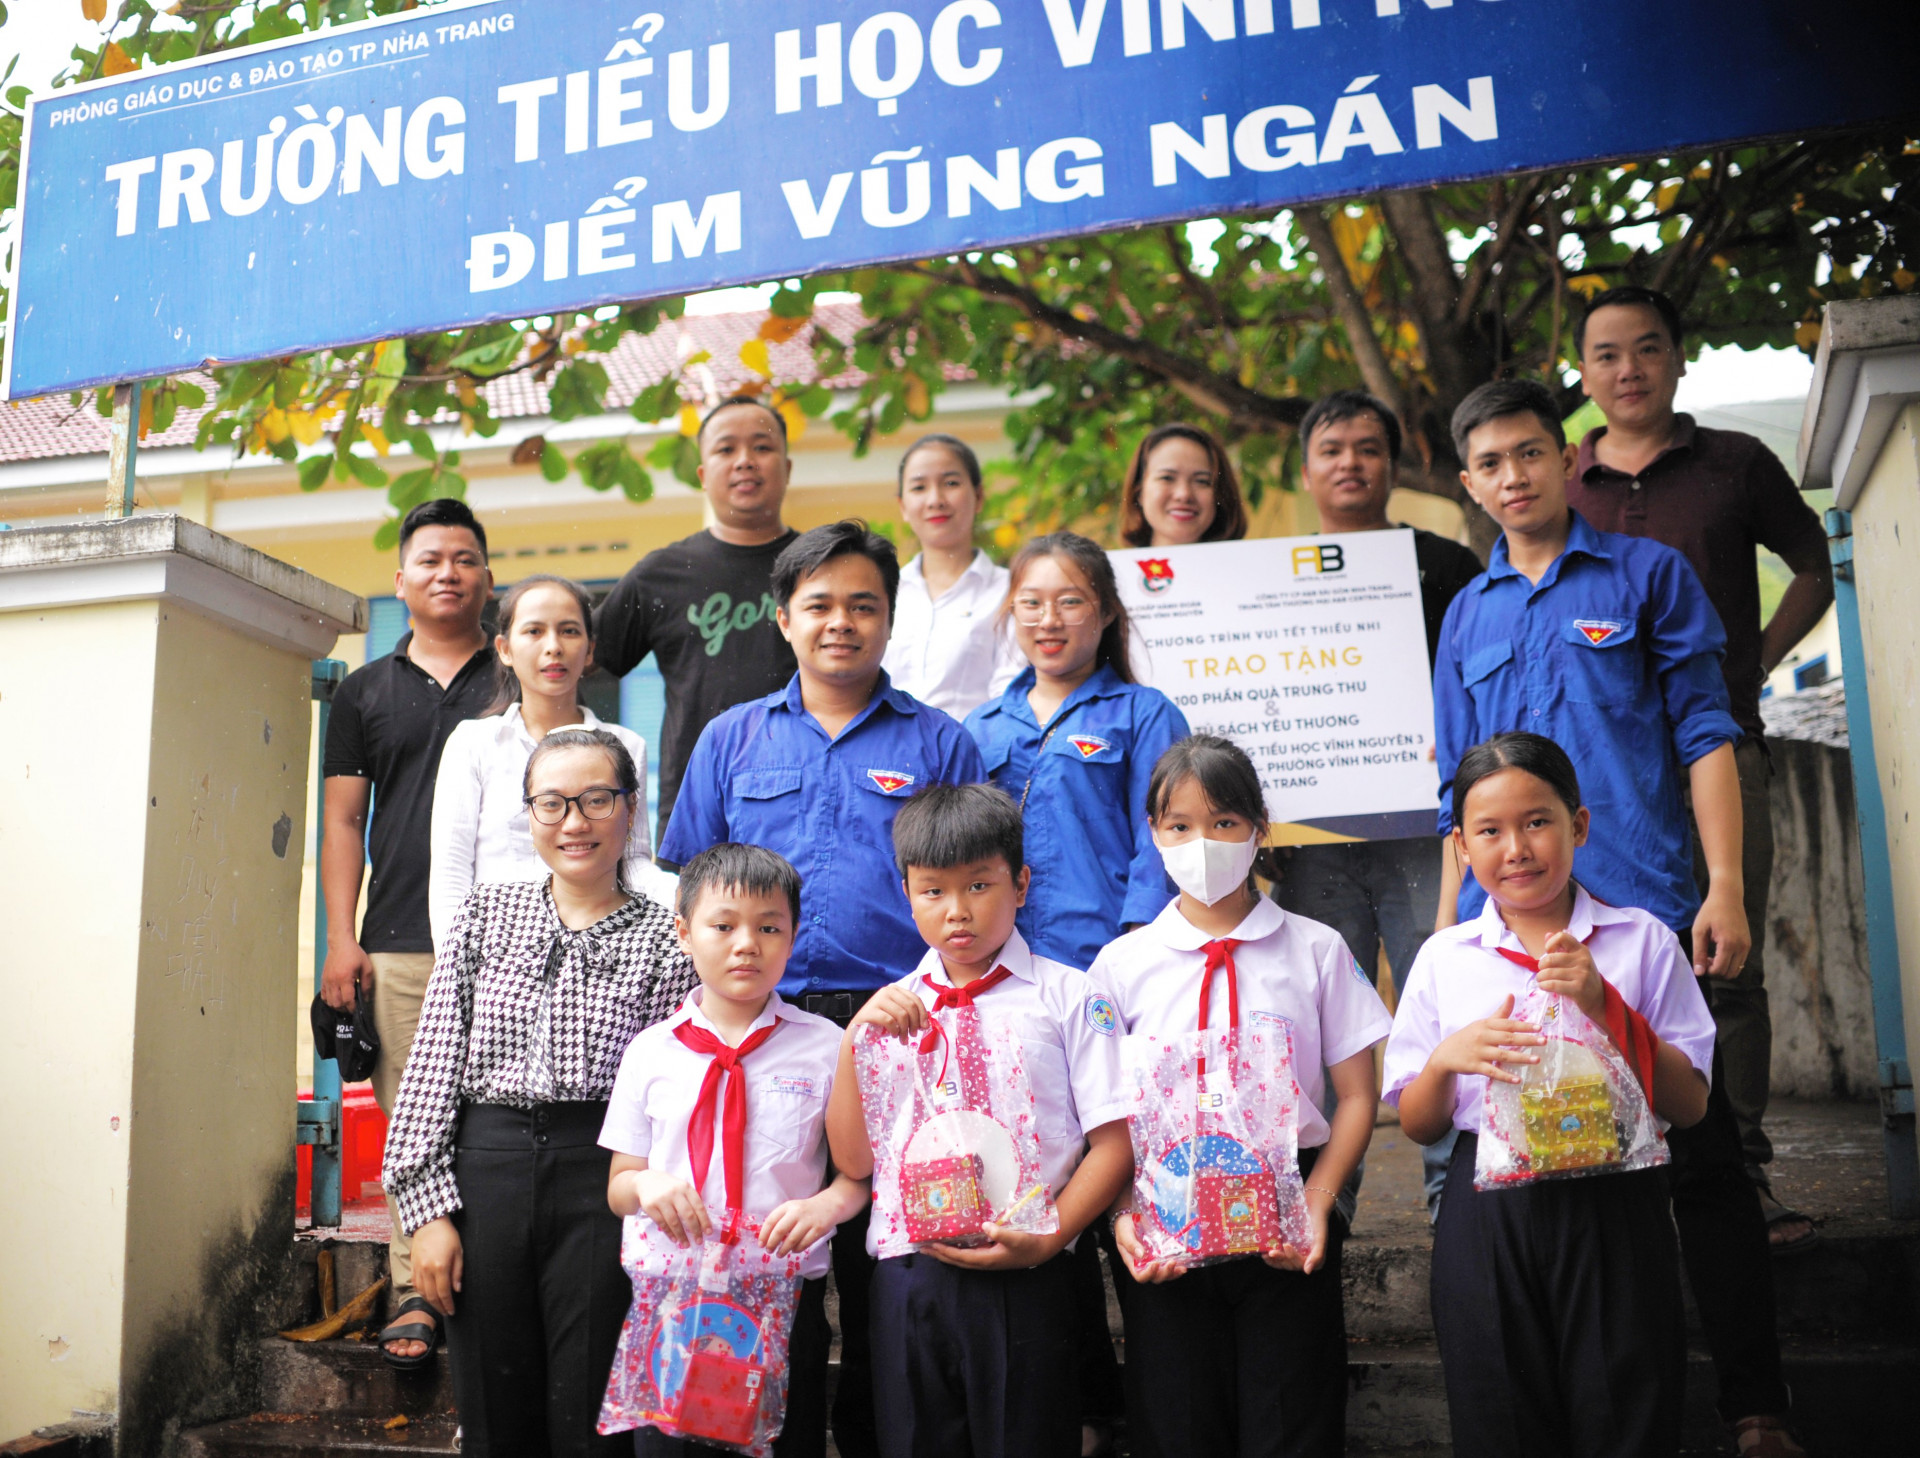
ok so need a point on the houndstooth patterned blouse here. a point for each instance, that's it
(522, 1011)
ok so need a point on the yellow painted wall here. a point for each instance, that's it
(1886, 547)
(73, 797)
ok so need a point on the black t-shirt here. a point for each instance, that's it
(388, 724)
(703, 609)
(1445, 568)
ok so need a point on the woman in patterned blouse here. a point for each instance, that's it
(493, 1156)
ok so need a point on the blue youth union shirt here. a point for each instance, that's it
(765, 773)
(1614, 655)
(1084, 778)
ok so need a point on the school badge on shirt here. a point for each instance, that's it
(1102, 1016)
(889, 782)
(1597, 630)
(1089, 744)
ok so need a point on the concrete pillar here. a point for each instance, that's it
(154, 728)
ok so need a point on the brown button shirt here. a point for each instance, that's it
(1713, 495)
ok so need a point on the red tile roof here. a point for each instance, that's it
(50, 427)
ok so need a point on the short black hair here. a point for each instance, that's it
(444, 511)
(955, 825)
(779, 420)
(807, 553)
(1221, 768)
(1628, 294)
(730, 866)
(1350, 405)
(1538, 755)
(1499, 399)
(969, 462)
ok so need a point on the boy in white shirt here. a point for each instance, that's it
(975, 1350)
(690, 1158)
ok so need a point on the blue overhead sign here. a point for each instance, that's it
(512, 158)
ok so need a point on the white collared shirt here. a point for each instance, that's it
(953, 652)
(1460, 977)
(788, 1079)
(481, 831)
(1291, 971)
(1068, 1042)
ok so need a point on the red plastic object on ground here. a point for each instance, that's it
(363, 1144)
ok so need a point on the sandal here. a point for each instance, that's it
(1765, 1437)
(1777, 1214)
(400, 1329)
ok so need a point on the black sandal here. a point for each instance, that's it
(1779, 1214)
(401, 1330)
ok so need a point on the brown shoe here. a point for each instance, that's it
(1765, 1437)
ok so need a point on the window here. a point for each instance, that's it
(1810, 674)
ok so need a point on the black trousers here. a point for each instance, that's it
(1238, 1360)
(804, 1433)
(543, 1297)
(1723, 1238)
(1557, 1308)
(975, 1364)
(1102, 1399)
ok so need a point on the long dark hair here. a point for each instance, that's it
(1229, 522)
(506, 691)
(1222, 770)
(1538, 755)
(1094, 566)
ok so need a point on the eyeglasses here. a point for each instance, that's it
(1070, 608)
(551, 809)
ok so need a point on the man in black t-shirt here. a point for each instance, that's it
(385, 730)
(1380, 892)
(702, 606)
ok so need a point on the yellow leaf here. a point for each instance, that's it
(1807, 335)
(306, 425)
(689, 420)
(117, 62)
(573, 345)
(795, 417)
(146, 413)
(94, 10)
(753, 354)
(374, 436)
(1006, 536)
(1667, 191)
(1902, 279)
(917, 399)
(777, 330)
(275, 426)
(1587, 284)
(1350, 235)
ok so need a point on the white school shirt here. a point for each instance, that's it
(1290, 970)
(1460, 977)
(788, 1079)
(1066, 1024)
(953, 652)
(482, 833)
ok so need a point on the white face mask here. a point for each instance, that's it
(1210, 870)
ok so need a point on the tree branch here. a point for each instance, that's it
(1352, 310)
(1505, 229)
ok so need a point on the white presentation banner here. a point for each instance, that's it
(1310, 653)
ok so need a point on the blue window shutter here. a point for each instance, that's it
(386, 625)
(643, 709)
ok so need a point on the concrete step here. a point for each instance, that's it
(285, 1435)
(350, 1379)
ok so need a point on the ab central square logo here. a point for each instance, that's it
(1322, 559)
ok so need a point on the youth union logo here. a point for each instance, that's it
(889, 782)
(1596, 632)
(1157, 571)
(1088, 744)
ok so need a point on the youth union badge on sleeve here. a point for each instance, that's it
(1102, 1016)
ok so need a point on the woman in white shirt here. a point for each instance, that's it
(481, 834)
(949, 647)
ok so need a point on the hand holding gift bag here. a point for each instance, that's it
(950, 1117)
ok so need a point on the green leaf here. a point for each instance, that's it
(578, 389)
(387, 537)
(165, 402)
(791, 303)
(686, 460)
(553, 465)
(313, 472)
(191, 395)
(365, 472)
(815, 399)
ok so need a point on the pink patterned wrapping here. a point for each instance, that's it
(1216, 1158)
(953, 1137)
(703, 1354)
(1578, 1111)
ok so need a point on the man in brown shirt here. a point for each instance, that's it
(1716, 496)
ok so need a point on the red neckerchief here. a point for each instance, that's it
(1632, 1034)
(733, 1135)
(946, 997)
(1219, 954)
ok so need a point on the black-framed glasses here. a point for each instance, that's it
(551, 808)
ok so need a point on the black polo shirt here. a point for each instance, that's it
(390, 720)
(1445, 568)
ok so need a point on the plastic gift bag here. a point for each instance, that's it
(703, 1354)
(1215, 1128)
(1579, 1111)
(950, 1117)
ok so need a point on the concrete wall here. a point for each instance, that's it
(1886, 546)
(1816, 949)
